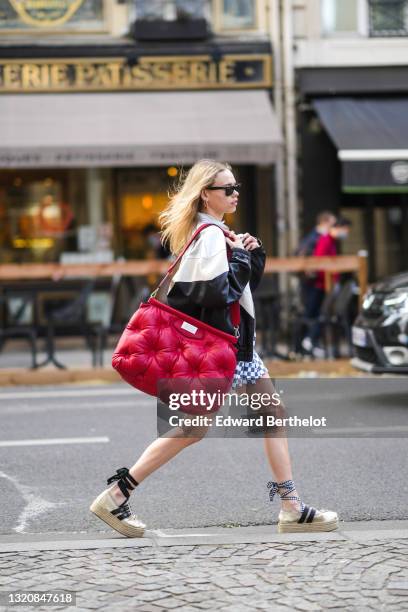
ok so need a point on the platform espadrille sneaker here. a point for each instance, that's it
(119, 516)
(307, 519)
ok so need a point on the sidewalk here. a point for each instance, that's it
(363, 566)
(14, 366)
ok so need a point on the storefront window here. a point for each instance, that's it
(228, 14)
(340, 16)
(52, 15)
(238, 14)
(88, 215)
(36, 220)
(142, 194)
(170, 10)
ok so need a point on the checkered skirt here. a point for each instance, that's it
(248, 372)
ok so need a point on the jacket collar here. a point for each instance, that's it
(206, 218)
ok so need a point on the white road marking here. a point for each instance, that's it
(50, 441)
(37, 407)
(102, 392)
(35, 505)
(361, 430)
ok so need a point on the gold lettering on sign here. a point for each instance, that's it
(31, 76)
(12, 76)
(114, 69)
(212, 73)
(227, 69)
(198, 72)
(84, 75)
(114, 74)
(141, 74)
(45, 76)
(59, 76)
(103, 77)
(160, 72)
(181, 72)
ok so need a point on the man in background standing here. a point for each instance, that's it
(324, 221)
(314, 294)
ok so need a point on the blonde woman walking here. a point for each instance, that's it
(205, 285)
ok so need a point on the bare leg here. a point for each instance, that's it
(294, 515)
(112, 506)
(160, 452)
(276, 447)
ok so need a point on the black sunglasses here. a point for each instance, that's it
(229, 189)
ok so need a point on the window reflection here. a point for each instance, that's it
(388, 19)
(339, 16)
(170, 10)
(238, 14)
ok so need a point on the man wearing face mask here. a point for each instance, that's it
(326, 246)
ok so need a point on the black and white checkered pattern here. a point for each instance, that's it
(248, 372)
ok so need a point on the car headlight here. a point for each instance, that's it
(397, 302)
(368, 300)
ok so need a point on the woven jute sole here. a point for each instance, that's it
(308, 527)
(126, 530)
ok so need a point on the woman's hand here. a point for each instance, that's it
(250, 242)
(235, 241)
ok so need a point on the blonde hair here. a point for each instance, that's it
(180, 217)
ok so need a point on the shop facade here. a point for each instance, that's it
(97, 133)
(352, 124)
(351, 80)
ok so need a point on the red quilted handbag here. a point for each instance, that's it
(163, 352)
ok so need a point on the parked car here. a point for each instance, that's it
(380, 332)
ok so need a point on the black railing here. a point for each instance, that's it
(388, 17)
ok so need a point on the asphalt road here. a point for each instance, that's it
(48, 481)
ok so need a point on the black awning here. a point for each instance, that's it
(371, 136)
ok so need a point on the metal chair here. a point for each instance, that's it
(340, 320)
(12, 323)
(74, 315)
(267, 302)
(138, 293)
(336, 316)
(301, 325)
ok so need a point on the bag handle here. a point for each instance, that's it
(234, 307)
(193, 237)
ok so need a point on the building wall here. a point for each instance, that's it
(353, 62)
(315, 49)
(112, 18)
(100, 200)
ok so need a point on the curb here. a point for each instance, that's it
(51, 376)
(348, 532)
(20, 377)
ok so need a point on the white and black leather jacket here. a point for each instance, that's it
(207, 283)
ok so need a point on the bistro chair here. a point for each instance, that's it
(267, 300)
(72, 316)
(337, 313)
(339, 321)
(138, 291)
(13, 321)
(301, 325)
(112, 326)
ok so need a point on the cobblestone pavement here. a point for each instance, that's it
(343, 574)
